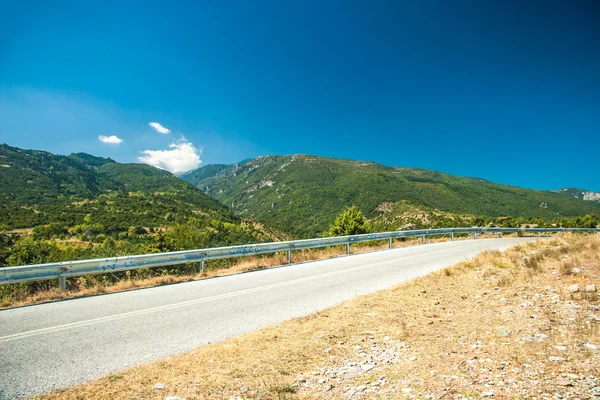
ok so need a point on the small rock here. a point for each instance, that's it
(322, 380)
(301, 379)
(328, 388)
(556, 359)
(575, 270)
(367, 367)
(244, 389)
(561, 348)
(502, 332)
(590, 288)
(159, 386)
(564, 382)
(574, 288)
(407, 390)
(361, 388)
(488, 394)
(540, 337)
(590, 346)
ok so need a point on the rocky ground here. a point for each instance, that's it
(529, 333)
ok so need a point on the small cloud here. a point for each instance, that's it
(159, 128)
(182, 157)
(110, 139)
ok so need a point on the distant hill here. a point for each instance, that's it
(302, 194)
(81, 193)
(198, 175)
(580, 194)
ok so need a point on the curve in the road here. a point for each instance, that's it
(56, 345)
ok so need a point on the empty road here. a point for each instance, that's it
(55, 345)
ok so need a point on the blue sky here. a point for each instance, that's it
(504, 90)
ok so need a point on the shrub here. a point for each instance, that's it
(349, 222)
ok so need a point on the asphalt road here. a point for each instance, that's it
(56, 345)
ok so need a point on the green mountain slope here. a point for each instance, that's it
(37, 187)
(200, 174)
(302, 194)
(81, 199)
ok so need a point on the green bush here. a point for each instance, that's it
(350, 222)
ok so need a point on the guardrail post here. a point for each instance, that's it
(62, 282)
(202, 265)
(289, 256)
(497, 234)
(474, 235)
(423, 239)
(452, 236)
(347, 248)
(391, 243)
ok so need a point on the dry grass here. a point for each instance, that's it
(80, 287)
(483, 327)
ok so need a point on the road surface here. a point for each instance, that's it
(55, 345)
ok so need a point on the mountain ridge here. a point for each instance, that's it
(302, 194)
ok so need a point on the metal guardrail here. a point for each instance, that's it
(63, 270)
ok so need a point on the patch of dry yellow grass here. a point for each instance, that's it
(485, 327)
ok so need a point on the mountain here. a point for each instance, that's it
(200, 174)
(580, 194)
(37, 187)
(302, 194)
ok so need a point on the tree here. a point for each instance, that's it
(349, 222)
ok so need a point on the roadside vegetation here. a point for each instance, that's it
(522, 323)
(41, 245)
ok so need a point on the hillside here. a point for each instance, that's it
(38, 187)
(115, 208)
(302, 194)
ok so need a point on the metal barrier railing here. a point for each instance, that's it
(63, 270)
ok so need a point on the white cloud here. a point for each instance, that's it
(159, 128)
(110, 139)
(182, 157)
